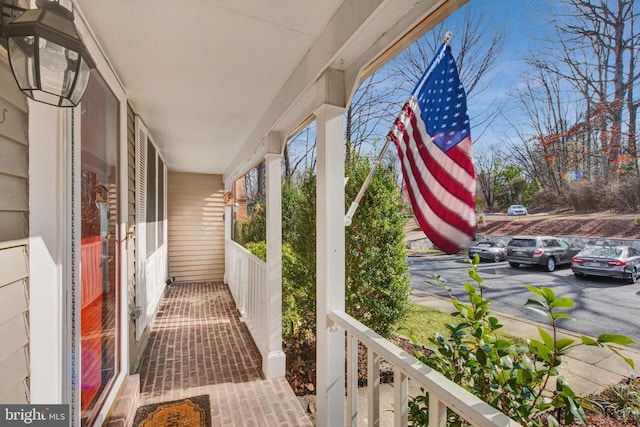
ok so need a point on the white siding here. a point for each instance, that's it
(14, 326)
(14, 229)
(14, 163)
(196, 227)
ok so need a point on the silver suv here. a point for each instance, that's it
(546, 251)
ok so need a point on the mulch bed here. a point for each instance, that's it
(301, 363)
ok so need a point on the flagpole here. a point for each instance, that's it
(354, 205)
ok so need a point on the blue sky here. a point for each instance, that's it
(522, 23)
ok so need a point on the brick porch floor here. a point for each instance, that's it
(199, 345)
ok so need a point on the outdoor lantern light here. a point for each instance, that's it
(49, 60)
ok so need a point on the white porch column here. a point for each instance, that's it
(228, 225)
(330, 353)
(50, 348)
(273, 362)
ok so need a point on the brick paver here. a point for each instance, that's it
(198, 344)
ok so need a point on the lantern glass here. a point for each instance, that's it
(82, 80)
(22, 54)
(53, 68)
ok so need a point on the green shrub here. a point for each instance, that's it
(376, 268)
(254, 229)
(291, 295)
(299, 232)
(377, 279)
(377, 272)
(622, 401)
(514, 379)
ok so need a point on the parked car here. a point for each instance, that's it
(516, 210)
(489, 251)
(621, 262)
(546, 251)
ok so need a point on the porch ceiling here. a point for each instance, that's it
(211, 78)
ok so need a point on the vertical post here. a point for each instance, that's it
(437, 411)
(352, 380)
(228, 253)
(273, 362)
(400, 398)
(373, 388)
(330, 250)
(51, 370)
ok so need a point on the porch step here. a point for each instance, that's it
(256, 403)
(124, 409)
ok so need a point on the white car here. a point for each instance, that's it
(516, 210)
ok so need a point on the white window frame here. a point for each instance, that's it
(70, 381)
(151, 271)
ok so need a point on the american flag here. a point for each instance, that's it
(432, 135)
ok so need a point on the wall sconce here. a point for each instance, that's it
(48, 58)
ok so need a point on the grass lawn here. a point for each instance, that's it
(423, 321)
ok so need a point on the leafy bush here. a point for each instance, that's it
(299, 231)
(622, 401)
(291, 295)
(624, 194)
(514, 379)
(254, 229)
(377, 272)
(546, 200)
(620, 194)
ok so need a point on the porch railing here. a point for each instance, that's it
(443, 393)
(247, 277)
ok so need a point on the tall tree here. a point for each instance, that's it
(379, 98)
(370, 114)
(598, 41)
(486, 167)
(478, 45)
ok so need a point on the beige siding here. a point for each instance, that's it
(14, 229)
(196, 227)
(14, 161)
(14, 325)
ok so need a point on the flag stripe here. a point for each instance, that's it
(406, 126)
(441, 202)
(449, 160)
(432, 136)
(428, 183)
(435, 228)
(449, 175)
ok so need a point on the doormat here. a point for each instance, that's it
(190, 412)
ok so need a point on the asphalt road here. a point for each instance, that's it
(601, 305)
